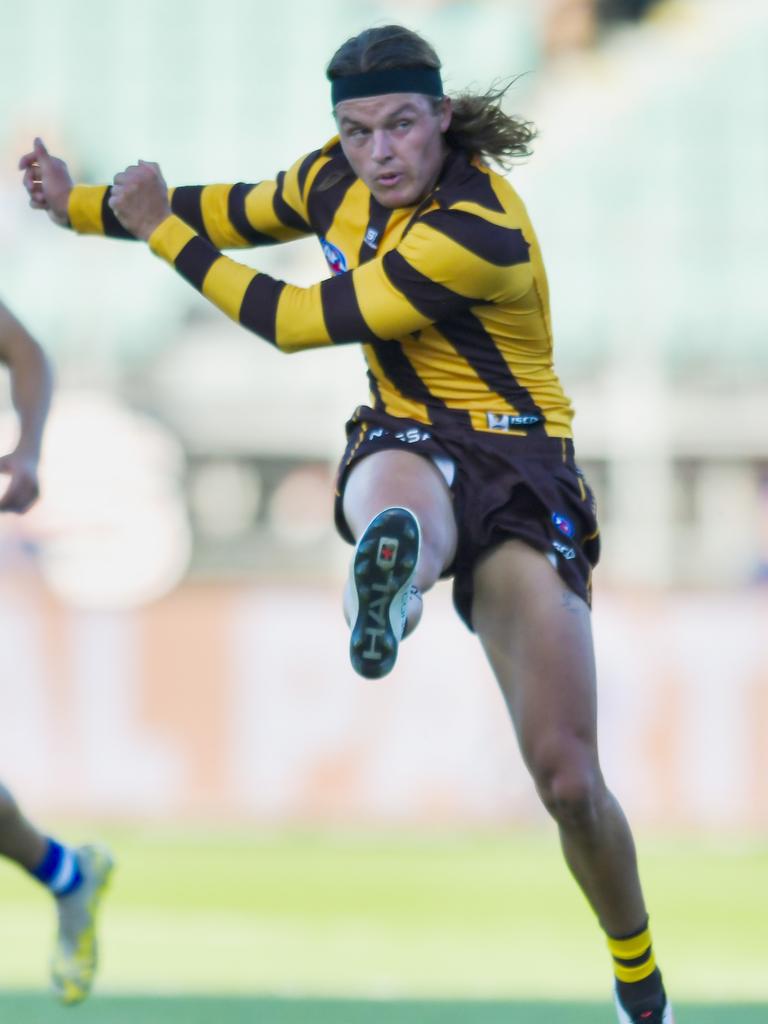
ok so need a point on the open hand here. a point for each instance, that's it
(47, 181)
(139, 198)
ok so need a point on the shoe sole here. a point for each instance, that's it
(382, 570)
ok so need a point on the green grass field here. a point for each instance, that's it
(34, 1009)
(232, 925)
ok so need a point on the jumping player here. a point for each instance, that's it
(75, 877)
(463, 463)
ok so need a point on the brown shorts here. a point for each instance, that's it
(504, 487)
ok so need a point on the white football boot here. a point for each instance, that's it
(381, 589)
(74, 960)
(664, 1016)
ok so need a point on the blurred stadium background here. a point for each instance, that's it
(173, 672)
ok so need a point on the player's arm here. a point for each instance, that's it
(446, 264)
(449, 262)
(229, 216)
(31, 385)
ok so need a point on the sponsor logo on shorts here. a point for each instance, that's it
(334, 257)
(413, 435)
(507, 421)
(564, 550)
(410, 436)
(563, 524)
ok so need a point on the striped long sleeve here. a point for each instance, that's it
(449, 299)
(228, 216)
(449, 262)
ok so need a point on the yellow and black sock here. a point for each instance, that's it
(638, 979)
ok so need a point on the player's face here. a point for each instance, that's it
(395, 143)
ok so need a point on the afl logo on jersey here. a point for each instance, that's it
(335, 258)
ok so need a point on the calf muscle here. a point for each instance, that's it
(537, 636)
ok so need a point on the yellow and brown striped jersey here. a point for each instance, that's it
(448, 298)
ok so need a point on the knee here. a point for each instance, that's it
(571, 788)
(435, 554)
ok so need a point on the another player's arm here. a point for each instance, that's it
(448, 262)
(31, 386)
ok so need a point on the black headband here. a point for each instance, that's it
(378, 83)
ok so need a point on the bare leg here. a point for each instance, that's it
(76, 881)
(19, 840)
(537, 636)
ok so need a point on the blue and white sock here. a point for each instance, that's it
(58, 870)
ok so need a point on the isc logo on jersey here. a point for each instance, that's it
(335, 258)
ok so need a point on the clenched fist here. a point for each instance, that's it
(139, 198)
(23, 487)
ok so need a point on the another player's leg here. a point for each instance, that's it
(75, 957)
(537, 636)
(76, 878)
(398, 506)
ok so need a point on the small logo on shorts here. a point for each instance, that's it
(507, 421)
(563, 524)
(335, 258)
(564, 550)
(412, 435)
